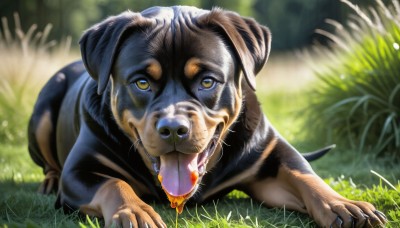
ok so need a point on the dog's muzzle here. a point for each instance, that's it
(178, 172)
(173, 129)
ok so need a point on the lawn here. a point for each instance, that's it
(281, 92)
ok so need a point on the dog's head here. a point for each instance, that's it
(176, 84)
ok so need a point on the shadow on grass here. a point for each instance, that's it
(356, 166)
(21, 206)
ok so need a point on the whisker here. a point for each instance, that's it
(222, 154)
(155, 161)
(136, 144)
(222, 142)
(130, 149)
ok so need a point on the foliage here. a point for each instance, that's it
(292, 22)
(27, 61)
(357, 97)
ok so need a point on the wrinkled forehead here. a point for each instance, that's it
(176, 31)
(173, 13)
(174, 38)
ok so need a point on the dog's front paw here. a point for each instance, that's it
(350, 213)
(128, 216)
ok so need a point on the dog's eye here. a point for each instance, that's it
(142, 84)
(207, 83)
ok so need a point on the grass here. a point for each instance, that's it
(281, 91)
(21, 206)
(357, 96)
(28, 59)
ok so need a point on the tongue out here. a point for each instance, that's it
(178, 176)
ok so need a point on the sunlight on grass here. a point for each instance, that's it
(27, 62)
(382, 195)
(16, 165)
(356, 99)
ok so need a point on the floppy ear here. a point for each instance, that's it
(100, 43)
(250, 40)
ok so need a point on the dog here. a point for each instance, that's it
(162, 106)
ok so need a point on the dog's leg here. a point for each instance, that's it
(297, 187)
(116, 201)
(41, 132)
(42, 125)
(46, 144)
(97, 185)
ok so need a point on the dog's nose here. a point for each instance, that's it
(173, 129)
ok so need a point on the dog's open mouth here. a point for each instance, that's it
(180, 173)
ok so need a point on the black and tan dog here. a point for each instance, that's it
(163, 107)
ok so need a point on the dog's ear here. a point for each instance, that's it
(250, 40)
(99, 44)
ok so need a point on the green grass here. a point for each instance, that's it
(21, 206)
(28, 59)
(357, 96)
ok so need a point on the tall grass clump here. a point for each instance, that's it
(356, 99)
(27, 60)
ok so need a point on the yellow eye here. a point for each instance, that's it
(142, 84)
(207, 83)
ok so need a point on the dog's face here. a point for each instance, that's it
(176, 84)
(176, 98)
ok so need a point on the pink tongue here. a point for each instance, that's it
(178, 173)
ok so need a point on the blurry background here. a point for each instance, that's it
(292, 22)
(341, 87)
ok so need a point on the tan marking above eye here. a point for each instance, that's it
(154, 69)
(192, 67)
